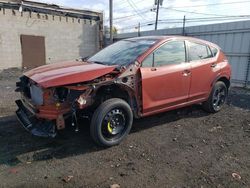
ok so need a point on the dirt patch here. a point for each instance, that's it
(182, 148)
(8, 80)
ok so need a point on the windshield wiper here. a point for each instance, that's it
(98, 62)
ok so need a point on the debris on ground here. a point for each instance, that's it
(236, 176)
(177, 126)
(14, 170)
(67, 179)
(174, 139)
(115, 186)
(215, 128)
(111, 178)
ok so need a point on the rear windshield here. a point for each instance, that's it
(122, 52)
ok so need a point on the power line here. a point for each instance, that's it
(191, 12)
(190, 6)
(125, 2)
(192, 20)
(145, 11)
(134, 7)
(218, 17)
(212, 4)
(132, 15)
(215, 17)
(120, 3)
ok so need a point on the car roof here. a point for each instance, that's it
(167, 37)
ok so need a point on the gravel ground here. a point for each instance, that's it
(182, 148)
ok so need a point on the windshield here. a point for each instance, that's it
(122, 52)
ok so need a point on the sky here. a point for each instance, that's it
(127, 14)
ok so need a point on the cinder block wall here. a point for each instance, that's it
(66, 38)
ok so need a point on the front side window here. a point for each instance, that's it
(198, 51)
(170, 53)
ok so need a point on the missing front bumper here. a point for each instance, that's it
(37, 127)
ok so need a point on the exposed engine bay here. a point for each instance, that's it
(51, 106)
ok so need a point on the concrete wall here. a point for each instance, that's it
(232, 37)
(65, 38)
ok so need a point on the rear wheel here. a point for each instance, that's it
(217, 98)
(111, 122)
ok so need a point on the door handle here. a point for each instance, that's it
(213, 65)
(186, 72)
(153, 69)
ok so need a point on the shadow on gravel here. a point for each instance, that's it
(239, 97)
(17, 145)
(194, 111)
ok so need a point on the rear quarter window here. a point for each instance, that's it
(214, 51)
(198, 51)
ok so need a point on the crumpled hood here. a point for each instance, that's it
(64, 73)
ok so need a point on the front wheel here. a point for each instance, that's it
(217, 98)
(111, 122)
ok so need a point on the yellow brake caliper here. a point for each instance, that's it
(109, 127)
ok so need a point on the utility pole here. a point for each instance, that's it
(157, 13)
(111, 21)
(248, 70)
(139, 29)
(183, 27)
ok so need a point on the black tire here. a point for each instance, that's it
(216, 98)
(110, 111)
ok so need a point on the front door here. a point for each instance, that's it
(165, 78)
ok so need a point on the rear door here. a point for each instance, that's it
(204, 70)
(165, 77)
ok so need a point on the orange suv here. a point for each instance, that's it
(131, 78)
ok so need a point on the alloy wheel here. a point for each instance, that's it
(219, 98)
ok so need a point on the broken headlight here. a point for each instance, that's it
(61, 94)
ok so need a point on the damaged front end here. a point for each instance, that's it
(45, 106)
(43, 111)
(28, 120)
(26, 112)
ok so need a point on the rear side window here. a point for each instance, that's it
(198, 51)
(214, 51)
